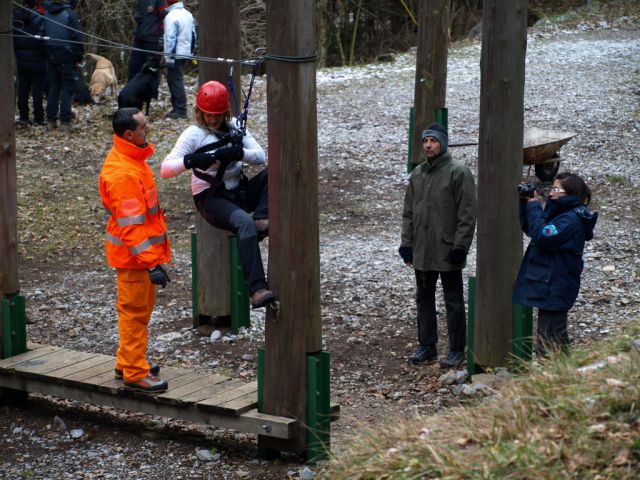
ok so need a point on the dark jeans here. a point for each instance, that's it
(175, 80)
(228, 209)
(552, 330)
(138, 58)
(454, 301)
(34, 83)
(62, 80)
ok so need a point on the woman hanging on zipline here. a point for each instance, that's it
(214, 150)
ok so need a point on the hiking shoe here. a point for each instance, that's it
(175, 115)
(424, 354)
(262, 226)
(22, 123)
(262, 298)
(153, 370)
(51, 125)
(453, 360)
(149, 384)
(39, 123)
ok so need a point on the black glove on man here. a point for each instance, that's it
(407, 254)
(198, 160)
(457, 256)
(229, 154)
(158, 276)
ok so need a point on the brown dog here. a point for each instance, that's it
(103, 77)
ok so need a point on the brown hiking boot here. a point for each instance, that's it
(262, 298)
(154, 370)
(149, 384)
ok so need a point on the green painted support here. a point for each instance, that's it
(410, 164)
(14, 326)
(318, 406)
(522, 332)
(471, 326)
(239, 294)
(260, 376)
(442, 117)
(195, 312)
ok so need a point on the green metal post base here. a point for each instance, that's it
(318, 404)
(14, 328)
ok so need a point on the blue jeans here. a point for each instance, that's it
(175, 81)
(62, 79)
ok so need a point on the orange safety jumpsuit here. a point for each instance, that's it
(136, 241)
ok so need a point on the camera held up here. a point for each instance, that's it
(527, 190)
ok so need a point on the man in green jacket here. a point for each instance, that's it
(438, 224)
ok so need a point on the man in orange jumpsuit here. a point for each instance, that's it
(136, 245)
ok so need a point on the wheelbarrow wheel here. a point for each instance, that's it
(547, 171)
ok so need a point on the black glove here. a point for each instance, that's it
(158, 276)
(198, 160)
(457, 256)
(229, 154)
(407, 254)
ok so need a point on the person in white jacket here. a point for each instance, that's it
(179, 39)
(214, 150)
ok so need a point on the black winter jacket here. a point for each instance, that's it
(62, 25)
(149, 20)
(30, 52)
(549, 275)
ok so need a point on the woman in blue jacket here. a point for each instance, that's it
(549, 276)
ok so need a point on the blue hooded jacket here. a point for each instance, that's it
(549, 276)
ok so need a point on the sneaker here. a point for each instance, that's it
(175, 115)
(153, 370)
(453, 360)
(149, 384)
(262, 298)
(424, 354)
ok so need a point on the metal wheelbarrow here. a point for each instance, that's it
(540, 149)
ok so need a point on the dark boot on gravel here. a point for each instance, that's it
(424, 354)
(453, 360)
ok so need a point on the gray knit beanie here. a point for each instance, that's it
(438, 132)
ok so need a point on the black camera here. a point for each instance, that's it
(527, 190)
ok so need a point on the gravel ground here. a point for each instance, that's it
(584, 79)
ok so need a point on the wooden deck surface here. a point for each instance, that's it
(211, 399)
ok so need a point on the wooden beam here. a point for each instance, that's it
(431, 68)
(250, 422)
(219, 23)
(499, 240)
(294, 260)
(9, 284)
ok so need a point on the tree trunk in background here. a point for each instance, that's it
(499, 239)
(294, 251)
(431, 68)
(9, 283)
(219, 36)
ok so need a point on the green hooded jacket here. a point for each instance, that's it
(439, 212)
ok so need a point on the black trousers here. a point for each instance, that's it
(33, 83)
(454, 301)
(552, 330)
(229, 210)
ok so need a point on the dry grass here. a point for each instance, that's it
(554, 422)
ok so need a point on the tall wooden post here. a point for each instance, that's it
(431, 68)
(219, 36)
(8, 202)
(499, 239)
(294, 260)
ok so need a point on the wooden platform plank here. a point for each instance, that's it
(179, 393)
(9, 363)
(99, 368)
(91, 360)
(213, 390)
(48, 363)
(213, 402)
(239, 405)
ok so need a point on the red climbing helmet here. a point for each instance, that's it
(213, 97)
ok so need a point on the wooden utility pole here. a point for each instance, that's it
(294, 260)
(8, 202)
(431, 68)
(219, 27)
(499, 240)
